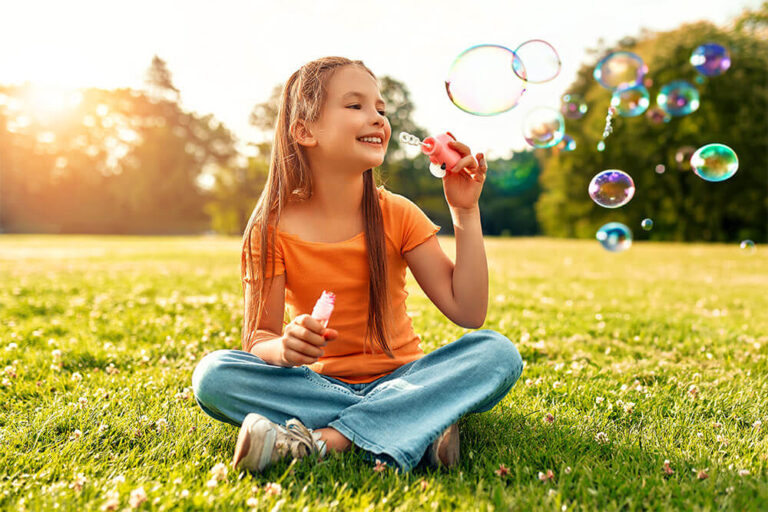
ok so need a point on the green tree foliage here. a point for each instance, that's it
(120, 161)
(683, 206)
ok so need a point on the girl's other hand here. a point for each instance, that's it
(303, 340)
(464, 183)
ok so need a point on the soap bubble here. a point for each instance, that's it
(485, 80)
(715, 162)
(541, 63)
(620, 69)
(574, 106)
(678, 98)
(660, 169)
(657, 115)
(601, 146)
(699, 79)
(747, 246)
(611, 188)
(631, 101)
(567, 144)
(711, 59)
(683, 157)
(615, 237)
(647, 224)
(543, 127)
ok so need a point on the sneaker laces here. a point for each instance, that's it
(297, 440)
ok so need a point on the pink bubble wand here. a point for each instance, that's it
(443, 158)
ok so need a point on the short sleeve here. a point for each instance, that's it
(415, 226)
(255, 251)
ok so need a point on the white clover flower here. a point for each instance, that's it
(219, 471)
(77, 377)
(138, 496)
(601, 437)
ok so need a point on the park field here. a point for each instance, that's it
(645, 385)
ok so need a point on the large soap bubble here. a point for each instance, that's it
(711, 59)
(540, 61)
(620, 69)
(678, 98)
(543, 127)
(657, 115)
(611, 188)
(486, 80)
(715, 162)
(631, 101)
(573, 106)
(615, 237)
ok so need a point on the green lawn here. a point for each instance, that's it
(658, 353)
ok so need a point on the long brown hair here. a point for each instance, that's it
(303, 96)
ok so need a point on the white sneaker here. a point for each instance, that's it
(262, 442)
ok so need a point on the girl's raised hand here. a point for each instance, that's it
(303, 339)
(463, 187)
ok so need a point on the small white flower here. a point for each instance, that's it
(161, 425)
(184, 493)
(119, 479)
(77, 377)
(252, 502)
(601, 437)
(75, 435)
(273, 488)
(599, 400)
(103, 428)
(211, 483)
(56, 354)
(11, 346)
(743, 472)
(138, 496)
(219, 471)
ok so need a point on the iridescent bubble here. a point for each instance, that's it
(711, 59)
(678, 98)
(543, 127)
(699, 79)
(715, 162)
(601, 146)
(683, 157)
(647, 224)
(657, 115)
(620, 69)
(747, 246)
(631, 101)
(573, 106)
(615, 237)
(540, 60)
(486, 80)
(611, 188)
(660, 169)
(567, 144)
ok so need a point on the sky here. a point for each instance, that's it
(227, 56)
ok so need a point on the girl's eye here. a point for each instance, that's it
(382, 112)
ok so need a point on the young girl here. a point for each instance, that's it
(320, 224)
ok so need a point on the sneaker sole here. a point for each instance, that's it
(255, 443)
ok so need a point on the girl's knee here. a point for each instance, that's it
(500, 350)
(207, 375)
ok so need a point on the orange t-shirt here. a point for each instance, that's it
(342, 268)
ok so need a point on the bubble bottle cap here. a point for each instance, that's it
(324, 307)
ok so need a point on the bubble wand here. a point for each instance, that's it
(442, 157)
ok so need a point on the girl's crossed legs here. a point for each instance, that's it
(394, 418)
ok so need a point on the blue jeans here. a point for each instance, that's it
(394, 418)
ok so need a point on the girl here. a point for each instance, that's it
(297, 387)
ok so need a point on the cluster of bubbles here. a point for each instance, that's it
(490, 79)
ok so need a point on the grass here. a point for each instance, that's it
(655, 354)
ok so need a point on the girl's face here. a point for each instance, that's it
(353, 110)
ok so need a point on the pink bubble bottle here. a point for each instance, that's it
(324, 307)
(442, 157)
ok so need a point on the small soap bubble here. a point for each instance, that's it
(541, 63)
(573, 106)
(614, 237)
(647, 224)
(678, 98)
(699, 79)
(660, 169)
(611, 188)
(631, 101)
(747, 246)
(715, 162)
(567, 144)
(657, 115)
(711, 59)
(543, 127)
(407, 138)
(620, 69)
(683, 157)
(601, 146)
(485, 80)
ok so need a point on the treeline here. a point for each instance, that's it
(134, 161)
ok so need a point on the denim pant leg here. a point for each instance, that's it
(411, 407)
(229, 384)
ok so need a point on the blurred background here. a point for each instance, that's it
(157, 117)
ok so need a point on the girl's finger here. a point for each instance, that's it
(468, 162)
(462, 149)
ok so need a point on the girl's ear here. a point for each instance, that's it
(302, 134)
